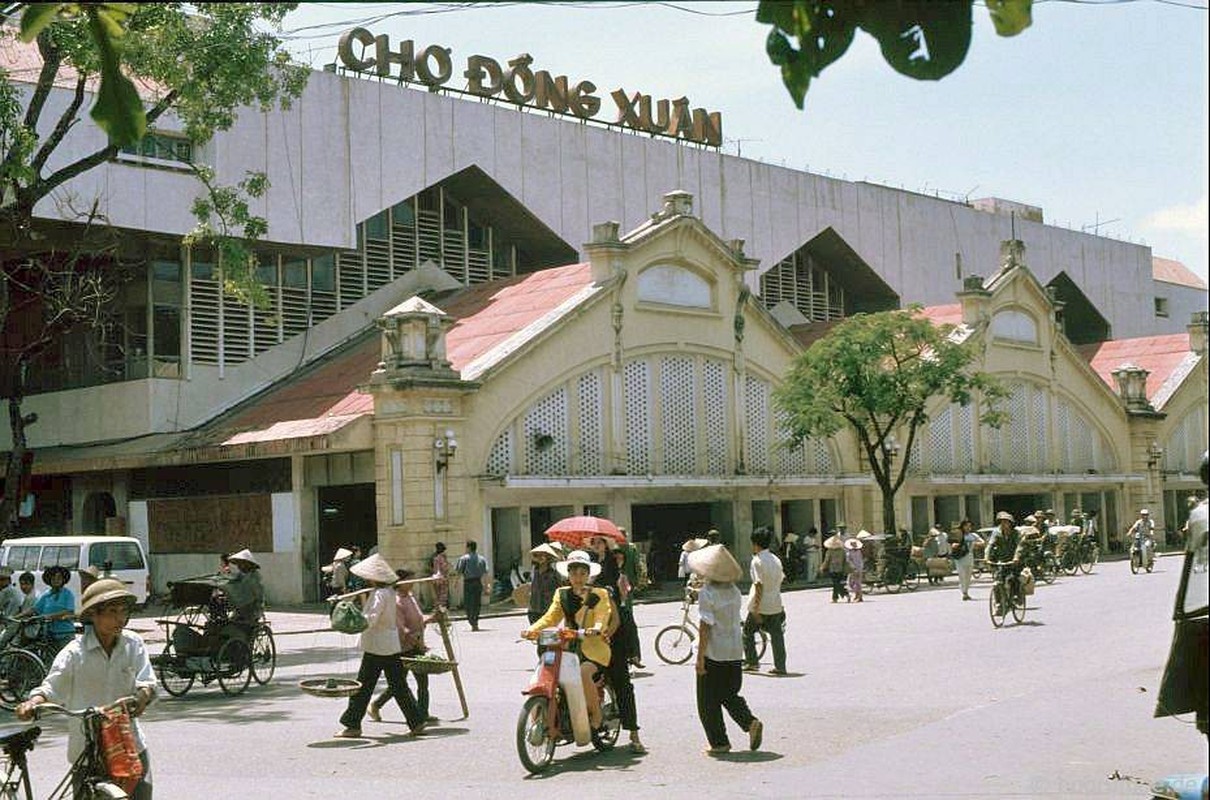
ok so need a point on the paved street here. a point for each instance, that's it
(903, 695)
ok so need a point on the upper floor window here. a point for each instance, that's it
(160, 146)
(1161, 306)
(675, 286)
(1015, 326)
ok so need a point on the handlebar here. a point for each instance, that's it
(55, 708)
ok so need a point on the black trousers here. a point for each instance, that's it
(422, 692)
(775, 626)
(719, 689)
(628, 634)
(838, 588)
(372, 667)
(618, 675)
(472, 599)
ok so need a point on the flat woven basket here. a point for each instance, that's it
(330, 687)
(427, 666)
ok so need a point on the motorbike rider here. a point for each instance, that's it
(1142, 535)
(580, 606)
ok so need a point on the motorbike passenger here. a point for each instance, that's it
(1004, 550)
(1142, 536)
(580, 606)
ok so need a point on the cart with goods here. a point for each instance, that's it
(201, 645)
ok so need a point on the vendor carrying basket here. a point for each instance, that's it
(427, 666)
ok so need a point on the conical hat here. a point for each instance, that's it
(694, 544)
(245, 556)
(375, 568)
(715, 563)
(833, 542)
(342, 553)
(852, 544)
(546, 550)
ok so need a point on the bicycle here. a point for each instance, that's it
(1007, 594)
(26, 659)
(674, 643)
(88, 772)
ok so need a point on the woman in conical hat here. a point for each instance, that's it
(381, 650)
(720, 651)
(856, 563)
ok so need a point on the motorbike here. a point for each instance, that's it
(1142, 554)
(555, 711)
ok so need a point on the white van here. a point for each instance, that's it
(122, 556)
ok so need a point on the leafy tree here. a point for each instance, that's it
(875, 374)
(923, 39)
(196, 62)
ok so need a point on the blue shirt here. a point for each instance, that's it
(472, 566)
(52, 602)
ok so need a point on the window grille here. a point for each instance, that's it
(204, 301)
(237, 344)
(545, 432)
(350, 278)
(756, 392)
(941, 442)
(592, 425)
(714, 400)
(964, 439)
(500, 459)
(801, 281)
(637, 387)
(823, 457)
(791, 458)
(677, 395)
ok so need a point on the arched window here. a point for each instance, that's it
(669, 284)
(1014, 326)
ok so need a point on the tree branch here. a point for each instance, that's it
(52, 58)
(67, 119)
(49, 184)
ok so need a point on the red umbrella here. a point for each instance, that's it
(576, 531)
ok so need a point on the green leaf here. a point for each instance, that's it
(923, 40)
(36, 17)
(1010, 16)
(118, 109)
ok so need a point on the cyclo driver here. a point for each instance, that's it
(1004, 551)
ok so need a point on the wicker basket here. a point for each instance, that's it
(330, 687)
(427, 666)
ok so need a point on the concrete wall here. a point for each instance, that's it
(352, 147)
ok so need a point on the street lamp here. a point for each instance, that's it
(444, 448)
(1154, 454)
(890, 446)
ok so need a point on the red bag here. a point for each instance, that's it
(120, 749)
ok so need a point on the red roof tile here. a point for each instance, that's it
(486, 315)
(943, 315)
(1159, 355)
(1170, 271)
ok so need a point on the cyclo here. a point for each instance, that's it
(202, 644)
(895, 569)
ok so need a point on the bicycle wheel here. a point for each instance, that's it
(1150, 564)
(1050, 568)
(1087, 559)
(20, 671)
(674, 644)
(169, 669)
(1018, 607)
(996, 604)
(535, 744)
(1134, 563)
(233, 666)
(762, 643)
(605, 737)
(264, 655)
(1071, 562)
(911, 578)
(892, 579)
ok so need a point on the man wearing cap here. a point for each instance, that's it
(1142, 529)
(106, 664)
(1004, 546)
(244, 590)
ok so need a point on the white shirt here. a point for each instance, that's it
(10, 600)
(766, 570)
(382, 637)
(719, 606)
(82, 676)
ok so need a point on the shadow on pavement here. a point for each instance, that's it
(758, 757)
(619, 758)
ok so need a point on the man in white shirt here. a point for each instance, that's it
(106, 664)
(765, 610)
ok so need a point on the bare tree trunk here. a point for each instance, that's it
(14, 473)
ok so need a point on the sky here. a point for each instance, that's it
(1097, 113)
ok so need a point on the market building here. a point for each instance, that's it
(489, 329)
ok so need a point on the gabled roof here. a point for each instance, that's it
(1169, 271)
(1167, 359)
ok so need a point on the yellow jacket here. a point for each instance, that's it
(594, 648)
